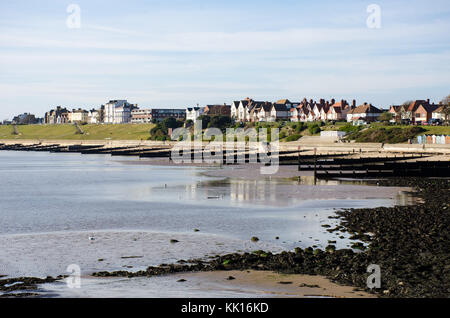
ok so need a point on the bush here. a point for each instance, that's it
(294, 137)
(314, 129)
(219, 121)
(349, 128)
(300, 127)
(383, 135)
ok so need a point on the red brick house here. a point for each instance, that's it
(424, 113)
(214, 110)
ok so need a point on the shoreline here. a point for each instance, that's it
(273, 284)
(305, 143)
(411, 252)
(413, 263)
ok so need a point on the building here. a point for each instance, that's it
(118, 112)
(193, 113)
(278, 112)
(95, 116)
(234, 109)
(440, 114)
(242, 110)
(287, 103)
(161, 114)
(141, 116)
(424, 113)
(58, 115)
(365, 113)
(415, 111)
(25, 119)
(78, 116)
(396, 111)
(217, 110)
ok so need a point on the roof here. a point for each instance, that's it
(396, 108)
(280, 107)
(415, 104)
(365, 109)
(429, 108)
(283, 101)
(439, 110)
(217, 110)
(337, 109)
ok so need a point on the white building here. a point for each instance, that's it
(78, 116)
(94, 116)
(193, 113)
(118, 112)
(364, 113)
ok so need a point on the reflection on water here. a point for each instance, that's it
(77, 195)
(273, 192)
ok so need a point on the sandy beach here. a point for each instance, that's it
(272, 284)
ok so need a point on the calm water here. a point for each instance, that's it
(51, 203)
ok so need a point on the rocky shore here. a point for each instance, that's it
(409, 243)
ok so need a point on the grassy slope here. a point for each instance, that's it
(68, 132)
(141, 131)
(430, 130)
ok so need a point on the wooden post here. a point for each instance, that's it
(299, 163)
(315, 166)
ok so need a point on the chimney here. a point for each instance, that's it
(354, 103)
(428, 101)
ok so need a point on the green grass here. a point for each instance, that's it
(69, 132)
(430, 130)
(394, 134)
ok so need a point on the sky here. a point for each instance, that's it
(174, 53)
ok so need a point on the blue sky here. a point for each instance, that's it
(180, 53)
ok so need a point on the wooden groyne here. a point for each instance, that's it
(327, 165)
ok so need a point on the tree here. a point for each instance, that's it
(219, 121)
(446, 108)
(205, 121)
(386, 116)
(170, 123)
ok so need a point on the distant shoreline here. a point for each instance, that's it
(305, 143)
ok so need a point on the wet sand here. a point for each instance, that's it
(245, 284)
(271, 284)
